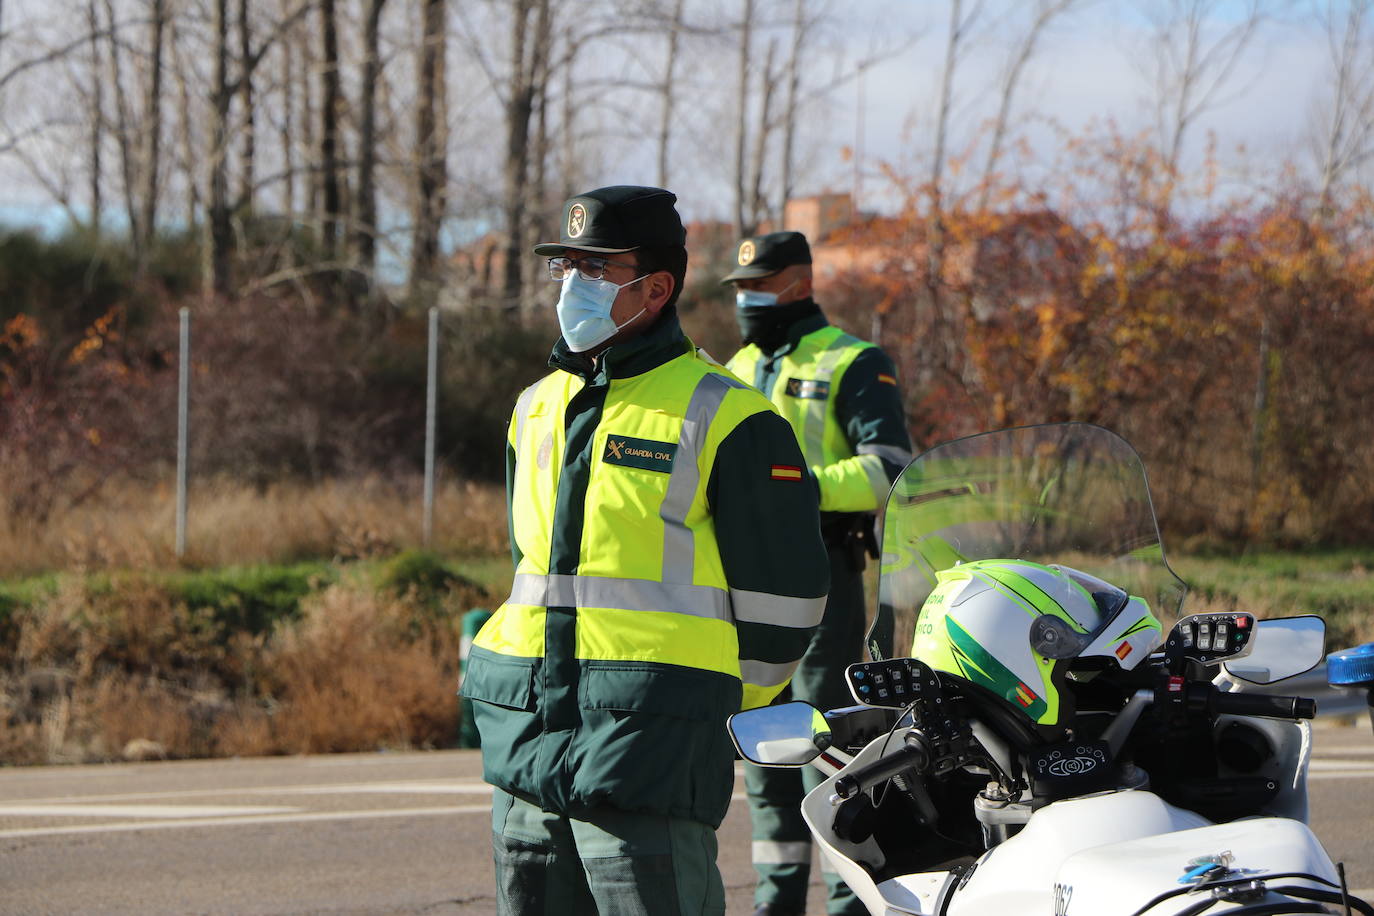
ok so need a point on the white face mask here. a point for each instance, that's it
(757, 298)
(584, 310)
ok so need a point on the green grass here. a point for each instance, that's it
(1337, 585)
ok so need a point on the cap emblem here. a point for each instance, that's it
(746, 252)
(577, 220)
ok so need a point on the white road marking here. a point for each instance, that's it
(402, 788)
(152, 811)
(1319, 764)
(239, 821)
(418, 786)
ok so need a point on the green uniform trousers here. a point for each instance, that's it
(612, 863)
(782, 842)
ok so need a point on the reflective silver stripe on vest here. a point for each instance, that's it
(816, 411)
(892, 454)
(770, 852)
(679, 545)
(877, 477)
(765, 674)
(776, 610)
(522, 412)
(622, 594)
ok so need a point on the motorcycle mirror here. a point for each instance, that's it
(788, 735)
(1283, 647)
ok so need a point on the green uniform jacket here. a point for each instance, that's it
(669, 570)
(840, 395)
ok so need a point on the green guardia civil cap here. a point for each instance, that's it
(765, 255)
(616, 219)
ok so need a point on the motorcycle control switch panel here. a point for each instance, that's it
(897, 682)
(1211, 638)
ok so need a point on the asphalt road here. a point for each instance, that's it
(377, 833)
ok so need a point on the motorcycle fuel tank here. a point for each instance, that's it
(1115, 852)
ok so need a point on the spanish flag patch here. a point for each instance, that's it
(1123, 650)
(1024, 695)
(786, 472)
(887, 379)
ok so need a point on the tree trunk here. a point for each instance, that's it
(519, 107)
(331, 99)
(248, 155)
(758, 206)
(151, 157)
(742, 128)
(431, 171)
(97, 119)
(665, 123)
(219, 225)
(365, 231)
(287, 132)
(124, 125)
(789, 124)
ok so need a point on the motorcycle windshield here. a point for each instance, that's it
(1068, 493)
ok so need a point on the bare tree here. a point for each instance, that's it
(531, 37)
(248, 112)
(1191, 68)
(1045, 12)
(431, 145)
(150, 156)
(1343, 128)
(665, 123)
(331, 104)
(800, 26)
(746, 34)
(365, 231)
(97, 126)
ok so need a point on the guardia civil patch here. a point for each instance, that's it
(645, 454)
(808, 389)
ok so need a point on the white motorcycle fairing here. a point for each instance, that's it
(1093, 856)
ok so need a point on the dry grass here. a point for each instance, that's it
(132, 525)
(128, 674)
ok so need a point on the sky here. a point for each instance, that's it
(1088, 70)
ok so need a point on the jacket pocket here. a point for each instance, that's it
(501, 681)
(659, 691)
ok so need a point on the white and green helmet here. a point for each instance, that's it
(1015, 628)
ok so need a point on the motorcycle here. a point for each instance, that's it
(1046, 765)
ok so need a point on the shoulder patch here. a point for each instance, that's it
(808, 389)
(785, 472)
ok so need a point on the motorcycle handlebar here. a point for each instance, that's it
(914, 755)
(1258, 704)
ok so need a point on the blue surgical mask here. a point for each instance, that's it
(584, 310)
(754, 298)
(757, 298)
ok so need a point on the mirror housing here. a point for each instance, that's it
(788, 735)
(1283, 647)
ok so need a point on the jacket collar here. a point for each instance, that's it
(662, 342)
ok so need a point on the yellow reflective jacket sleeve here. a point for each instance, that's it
(868, 407)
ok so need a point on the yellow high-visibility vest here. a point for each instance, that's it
(804, 393)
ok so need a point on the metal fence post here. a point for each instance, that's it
(183, 423)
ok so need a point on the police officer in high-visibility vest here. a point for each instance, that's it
(669, 571)
(840, 395)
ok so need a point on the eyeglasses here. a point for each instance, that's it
(589, 268)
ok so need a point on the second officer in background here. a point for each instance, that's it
(840, 395)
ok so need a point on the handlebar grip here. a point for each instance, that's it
(881, 770)
(1258, 704)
